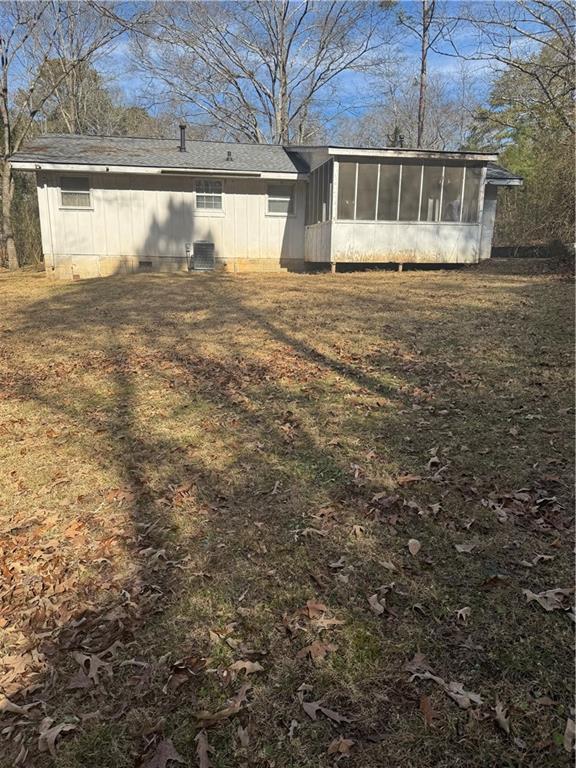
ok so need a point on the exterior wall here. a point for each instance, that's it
(317, 239)
(137, 218)
(423, 242)
(488, 221)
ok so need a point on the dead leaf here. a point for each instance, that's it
(463, 613)
(388, 565)
(49, 733)
(467, 548)
(316, 650)
(414, 547)
(202, 750)
(8, 706)
(233, 706)
(313, 707)
(165, 751)
(315, 609)
(340, 746)
(375, 605)
(569, 735)
(501, 718)
(243, 736)
(551, 599)
(248, 666)
(454, 690)
(418, 663)
(427, 711)
(406, 479)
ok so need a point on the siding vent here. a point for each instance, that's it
(203, 259)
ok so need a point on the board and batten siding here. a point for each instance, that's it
(134, 219)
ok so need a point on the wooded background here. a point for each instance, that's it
(495, 75)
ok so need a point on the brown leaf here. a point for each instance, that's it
(500, 717)
(165, 751)
(418, 663)
(313, 707)
(243, 736)
(340, 746)
(414, 546)
(315, 609)
(49, 733)
(551, 599)
(454, 690)
(427, 710)
(8, 706)
(248, 666)
(202, 750)
(406, 479)
(375, 605)
(316, 650)
(463, 613)
(233, 707)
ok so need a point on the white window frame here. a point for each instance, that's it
(201, 210)
(291, 210)
(87, 192)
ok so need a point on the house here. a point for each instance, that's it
(110, 205)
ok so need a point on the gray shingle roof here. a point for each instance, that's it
(161, 153)
(495, 172)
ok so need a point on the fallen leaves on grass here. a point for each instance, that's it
(15, 709)
(463, 614)
(247, 666)
(427, 710)
(340, 746)
(233, 706)
(455, 690)
(313, 707)
(165, 752)
(569, 735)
(414, 546)
(317, 651)
(550, 599)
(501, 717)
(203, 750)
(375, 605)
(49, 734)
(465, 548)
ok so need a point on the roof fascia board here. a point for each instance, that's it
(506, 182)
(26, 165)
(413, 154)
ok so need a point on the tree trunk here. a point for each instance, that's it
(423, 73)
(6, 218)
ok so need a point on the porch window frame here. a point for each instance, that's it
(291, 187)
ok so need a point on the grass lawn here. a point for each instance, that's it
(286, 521)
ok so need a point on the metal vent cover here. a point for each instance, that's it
(203, 256)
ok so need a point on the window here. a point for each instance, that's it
(346, 190)
(280, 198)
(388, 192)
(209, 194)
(410, 192)
(452, 193)
(471, 195)
(75, 192)
(366, 193)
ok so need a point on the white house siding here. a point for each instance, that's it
(488, 221)
(317, 242)
(151, 218)
(368, 241)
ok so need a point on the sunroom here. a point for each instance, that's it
(398, 206)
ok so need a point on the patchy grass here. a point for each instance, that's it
(187, 461)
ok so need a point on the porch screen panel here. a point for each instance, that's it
(431, 189)
(388, 192)
(366, 193)
(346, 187)
(410, 193)
(471, 195)
(451, 197)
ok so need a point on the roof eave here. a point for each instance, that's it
(413, 154)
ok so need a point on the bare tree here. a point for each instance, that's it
(533, 37)
(429, 26)
(254, 69)
(31, 35)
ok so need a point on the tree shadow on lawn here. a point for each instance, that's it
(242, 461)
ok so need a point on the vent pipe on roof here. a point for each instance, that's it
(182, 146)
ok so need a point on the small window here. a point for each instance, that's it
(75, 192)
(280, 198)
(209, 194)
